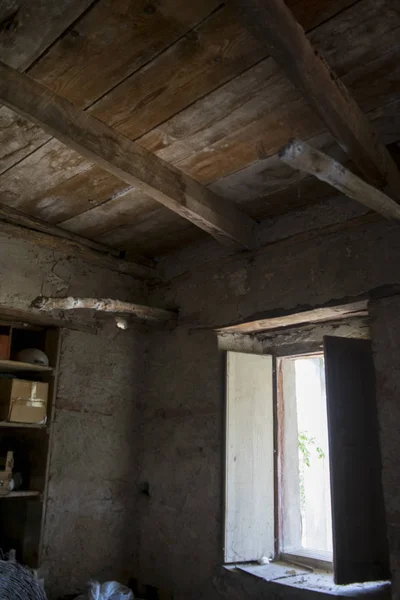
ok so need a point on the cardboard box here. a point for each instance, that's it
(23, 401)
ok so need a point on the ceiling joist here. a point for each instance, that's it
(300, 155)
(273, 24)
(125, 159)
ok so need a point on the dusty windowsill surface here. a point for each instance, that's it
(286, 574)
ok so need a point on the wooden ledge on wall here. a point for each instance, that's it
(334, 310)
(117, 308)
(280, 319)
(28, 317)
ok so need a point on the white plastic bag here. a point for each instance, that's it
(111, 590)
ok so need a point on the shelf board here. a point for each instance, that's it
(23, 425)
(10, 366)
(21, 494)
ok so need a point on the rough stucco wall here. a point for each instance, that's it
(385, 325)
(90, 528)
(27, 271)
(288, 274)
(180, 519)
(182, 449)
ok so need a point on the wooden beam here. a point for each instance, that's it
(125, 159)
(78, 251)
(316, 315)
(302, 156)
(148, 313)
(18, 317)
(274, 25)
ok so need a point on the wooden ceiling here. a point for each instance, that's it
(189, 83)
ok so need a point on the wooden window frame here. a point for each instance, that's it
(307, 559)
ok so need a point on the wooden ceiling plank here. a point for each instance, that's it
(29, 28)
(161, 232)
(284, 196)
(320, 32)
(216, 117)
(349, 58)
(302, 156)
(76, 196)
(27, 31)
(156, 224)
(249, 133)
(18, 138)
(263, 182)
(90, 38)
(126, 208)
(216, 51)
(114, 39)
(306, 192)
(45, 168)
(125, 159)
(273, 24)
(211, 54)
(266, 188)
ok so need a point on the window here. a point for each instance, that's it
(279, 419)
(303, 459)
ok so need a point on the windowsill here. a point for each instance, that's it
(302, 557)
(314, 580)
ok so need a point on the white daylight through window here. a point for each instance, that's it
(304, 459)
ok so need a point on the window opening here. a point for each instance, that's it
(305, 500)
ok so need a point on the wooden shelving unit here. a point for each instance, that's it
(22, 511)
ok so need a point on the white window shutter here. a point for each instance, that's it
(249, 481)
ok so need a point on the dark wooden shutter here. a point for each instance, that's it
(360, 548)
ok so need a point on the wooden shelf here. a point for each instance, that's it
(10, 366)
(22, 511)
(21, 494)
(23, 425)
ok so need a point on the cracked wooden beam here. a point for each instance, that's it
(300, 155)
(148, 313)
(126, 159)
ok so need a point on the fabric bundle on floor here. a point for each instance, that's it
(18, 583)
